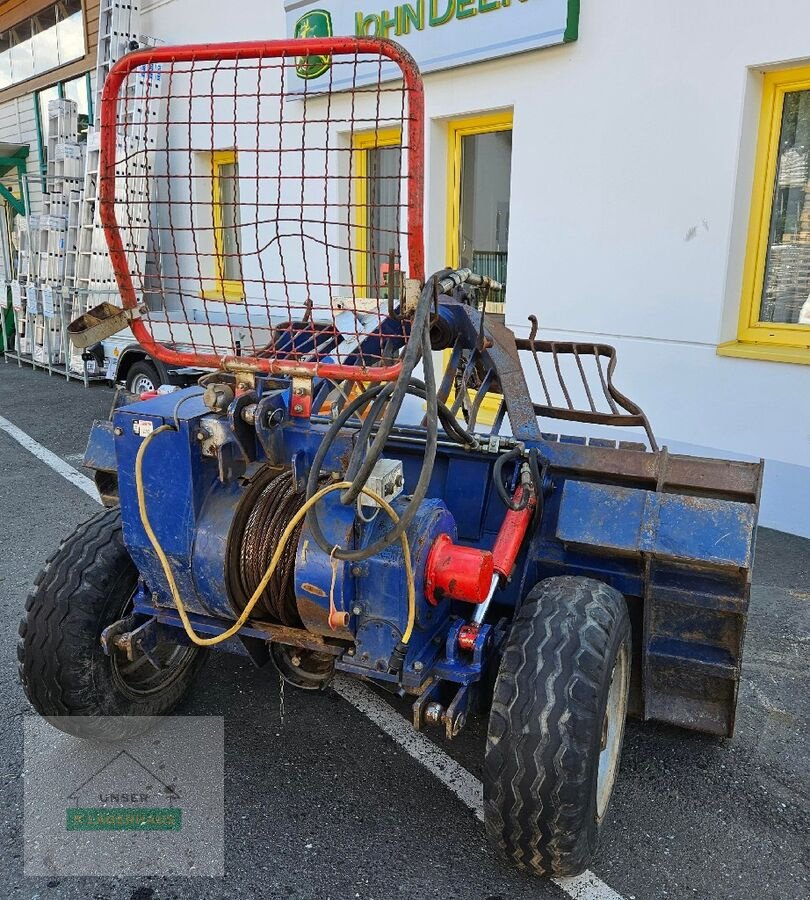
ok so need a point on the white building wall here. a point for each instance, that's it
(631, 180)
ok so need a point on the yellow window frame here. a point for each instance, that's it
(231, 291)
(457, 129)
(362, 143)
(757, 339)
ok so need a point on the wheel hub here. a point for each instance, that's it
(612, 731)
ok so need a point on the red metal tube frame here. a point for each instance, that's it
(256, 50)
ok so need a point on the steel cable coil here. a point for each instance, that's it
(273, 502)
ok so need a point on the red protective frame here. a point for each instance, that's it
(252, 50)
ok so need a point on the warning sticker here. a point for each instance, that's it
(143, 427)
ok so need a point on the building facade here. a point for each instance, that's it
(637, 174)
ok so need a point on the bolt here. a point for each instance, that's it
(299, 392)
(299, 407)
(350, 651)
(418, 666)
(295, 660)
(118, 431)
(201, 435)
(433, 713)
(357, 610)
(357, 571)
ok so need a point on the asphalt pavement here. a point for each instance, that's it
(320, 803)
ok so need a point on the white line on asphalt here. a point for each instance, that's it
(455, 777)
(461, 782)
(82, 482)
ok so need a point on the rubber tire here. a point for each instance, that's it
(142, 367)
(63, 668)
(540, 782)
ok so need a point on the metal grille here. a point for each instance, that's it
(576, 380)
(242, 218)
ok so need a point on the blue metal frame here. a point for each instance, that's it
(673, 534)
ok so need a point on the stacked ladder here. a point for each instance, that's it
(42, 306)
(93, 277)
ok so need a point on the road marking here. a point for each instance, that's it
(455, 777)
(82, 482)
(461, 782)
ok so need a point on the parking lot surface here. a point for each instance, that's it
(320, 802)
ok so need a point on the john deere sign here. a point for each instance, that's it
(317, 23)
(439, 34)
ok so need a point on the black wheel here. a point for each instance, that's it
(85, 586)
(556, 725)
(143, 376)
(307, 670)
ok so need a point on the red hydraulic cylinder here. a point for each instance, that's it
(510, 537)
(462, 573)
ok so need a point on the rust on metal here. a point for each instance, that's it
(611, 408)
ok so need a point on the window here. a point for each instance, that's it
(479, 184)
(77, 89)
(775, 312)
(225, 202)
(51, 38)
(377, 182)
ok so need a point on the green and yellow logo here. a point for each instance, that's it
(317, 23)
(139, 819)
(98, 805)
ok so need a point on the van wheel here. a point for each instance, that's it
(142, 377)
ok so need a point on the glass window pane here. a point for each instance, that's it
(787, 270)
(229, 207)
(5, 59)
(77, 90)
(43, 28)
(70, 31)
(486, 171)
(45, 41)
(384, 186)
(22, 56)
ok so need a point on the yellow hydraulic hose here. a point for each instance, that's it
(218, 638)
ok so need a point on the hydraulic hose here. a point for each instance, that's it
(497, 477)
(359, 472)
(365, 457)
(363, 461)
(399, 652)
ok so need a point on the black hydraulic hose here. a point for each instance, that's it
(497, 477)
(449, 422)
(538, 477)
(365, 429)
(364, 459)
(416, 388)
(419, 492)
